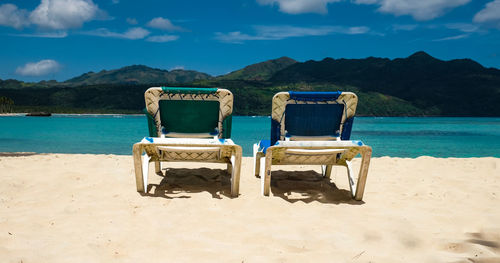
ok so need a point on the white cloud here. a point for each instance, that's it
(354, 30)
(40, 68)
(11, 16)
(300, 6)
(45, 35)
(236, 37)
(282, 32)
(365, 2)
(406, 27)
(132, 21)
(64, 14)
(464, 27)
(162, 38)
(490, 14)
(177, 68)
(163, 24)
(132, 33)
(420, 10)
(452, 37)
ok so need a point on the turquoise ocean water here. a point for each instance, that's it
(388, 136)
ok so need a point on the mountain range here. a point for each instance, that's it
(413, 86)
(455, 87)
(260, 71)
(137, 74)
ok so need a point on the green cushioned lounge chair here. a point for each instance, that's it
(187, 125)
(312, 128)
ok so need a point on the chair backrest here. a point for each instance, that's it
(185, 111)
(312, 114)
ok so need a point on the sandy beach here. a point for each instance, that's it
(84, 208)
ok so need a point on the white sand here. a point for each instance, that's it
(84, 208)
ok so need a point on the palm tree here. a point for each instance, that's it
(6, 105)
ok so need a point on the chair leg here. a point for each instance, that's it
(235, 172)
(256, 160)
(265, 177)
(139, 181)
(262, 167)
(231, 171)
(328, 171)
(259, 164)
(352, 186)
(157, 167)
(145, 171)
(230, 167)
(363, 173)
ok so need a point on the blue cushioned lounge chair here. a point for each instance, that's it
(312, 128)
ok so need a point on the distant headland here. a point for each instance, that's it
(418, 85)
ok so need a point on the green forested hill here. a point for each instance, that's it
(260, 71)
(137, 74)
(459, 87)
(249, 99)
(418, 85)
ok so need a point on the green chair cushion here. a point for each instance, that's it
(189, 116)
(153, 132)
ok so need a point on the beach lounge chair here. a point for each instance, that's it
(312, 128)
(187, 125)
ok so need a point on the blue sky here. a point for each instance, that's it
(60, 39)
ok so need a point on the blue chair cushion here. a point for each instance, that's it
(313, 119)
(264, 144)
